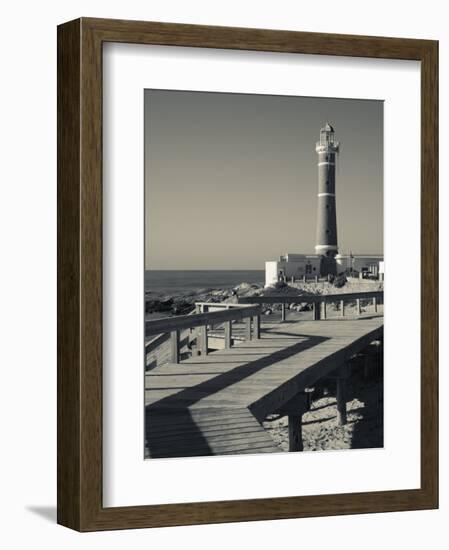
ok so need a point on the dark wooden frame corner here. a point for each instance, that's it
(80, 274)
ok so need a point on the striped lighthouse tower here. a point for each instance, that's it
(326, 234)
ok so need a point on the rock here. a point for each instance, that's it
(182, 307)
(242, 287)
(153, 306)
(217, 293)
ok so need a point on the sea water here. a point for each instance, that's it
(184, 281)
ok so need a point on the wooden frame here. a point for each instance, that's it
(80, 274)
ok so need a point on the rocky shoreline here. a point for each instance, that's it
(183, 302)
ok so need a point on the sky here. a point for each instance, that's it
(231, 179)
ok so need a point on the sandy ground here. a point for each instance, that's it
(321, 432)
(352, 285)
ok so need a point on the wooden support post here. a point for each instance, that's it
(316, 278)
(316, 311)
(368, 363)
(324, 309)
(294, 409)
(228, 334)
(342, 308)
(303, 278)
(341, 401)
(256, 327)
(282, 312)
(359, 309)
(375, 304)
(248, 328)
(295, 442)
(175, 351)
(203, 339)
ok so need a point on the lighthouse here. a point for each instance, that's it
(326, 234)
(294, 267)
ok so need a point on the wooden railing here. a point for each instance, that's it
(227, 314)
(158, 340)
(318, 301)
(208, 315)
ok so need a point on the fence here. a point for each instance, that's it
(204, 319)
(319, 301)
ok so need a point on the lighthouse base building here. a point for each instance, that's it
(326, 261)
(300, 267)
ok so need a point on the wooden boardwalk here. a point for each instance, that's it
(215, 403)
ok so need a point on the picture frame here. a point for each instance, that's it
(80, 274)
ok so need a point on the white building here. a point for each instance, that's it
(369, 264)
(296, 267)
(292, 266)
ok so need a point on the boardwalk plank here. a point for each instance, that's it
(215, 432)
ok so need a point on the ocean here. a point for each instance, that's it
(178, 282)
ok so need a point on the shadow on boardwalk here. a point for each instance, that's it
(170, 427)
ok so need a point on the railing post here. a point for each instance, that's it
(248, 328)
(282, 312)
(316, 311)
(199, 337)
(194, 335)
(175, 351)
(342, 308)
(256, 327)
(359, 309)
(375, 304)
(203, 339)
(228, 334)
